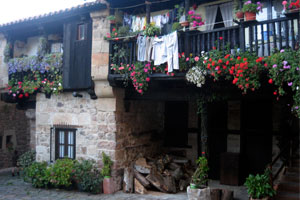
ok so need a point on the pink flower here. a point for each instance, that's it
(187, 59)
(147, 79)
(121, 68)
(145, 70)
(191, 12)
(140, 91)
(196, 58)
(141, 84)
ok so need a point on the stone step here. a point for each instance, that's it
(291, 178)
(294, 169)
(292, 187)
(286, 196)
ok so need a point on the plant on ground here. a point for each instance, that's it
(107, 164)
(259, 186)
(37, 174)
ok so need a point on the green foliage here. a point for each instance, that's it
(199, 177)
(251, 7)
(284, 73)
(107, 163)
(259, 186)
(111, 17)
(176, 26)
(151, 30)
(26, 159)
(180, 11)
(59, 174)
(37, 174)
(87, 176)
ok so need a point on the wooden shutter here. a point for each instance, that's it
(77, 56)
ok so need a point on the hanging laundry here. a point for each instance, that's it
(149, 47)
(172, 51)
(159, 54)
(141, 42)
(127, 20)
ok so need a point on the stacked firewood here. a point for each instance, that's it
(164, 173)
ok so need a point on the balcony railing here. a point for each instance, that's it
(261, 38)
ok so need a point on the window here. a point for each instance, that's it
(1, 142)
(9, 143)
(81, 31)
(57, 47)
(65, 140)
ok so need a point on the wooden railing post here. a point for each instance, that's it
(187, 35)
(242, 36)
(148, 11)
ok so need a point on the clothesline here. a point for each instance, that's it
(183, 29)
(122, 8)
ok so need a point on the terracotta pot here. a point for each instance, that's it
(185, 23)
(250, 16)
(108, 185)
(239, 14)
(112, 21)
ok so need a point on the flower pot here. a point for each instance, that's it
(239, 15)
(112, 21)
(48, 95)
(198, 194)
(266, 198)
(108, 185)
(294, 13)
(185, 23)
(250, 16)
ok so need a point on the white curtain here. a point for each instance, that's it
(211, 14)
(227, 13)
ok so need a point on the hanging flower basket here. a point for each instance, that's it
(294, 13)
(250, 16)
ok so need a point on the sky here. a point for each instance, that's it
(11, 10)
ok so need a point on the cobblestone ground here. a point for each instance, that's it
(14, 188)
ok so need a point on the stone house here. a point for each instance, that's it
(96, 114)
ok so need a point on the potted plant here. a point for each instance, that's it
(112, 19)
(259, 187)
(250, 9)
(198, 188)
(180, 16)
(108, 185)
(151, 30)
(194, 19)
(291, 8)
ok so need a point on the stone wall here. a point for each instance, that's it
(18, 125)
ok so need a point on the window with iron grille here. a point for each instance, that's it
(65, 143)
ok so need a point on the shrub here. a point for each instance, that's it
(37, 173)
(26, 159)
(259, 186)
(59, 174)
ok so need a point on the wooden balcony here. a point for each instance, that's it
(261, 37)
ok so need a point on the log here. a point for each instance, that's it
(139, 188)
(177, 174)
(156, 180)
(169, 184)
(227, 194)
(215, 194)
(141, 179)
(142, 166)
(173, 166)
(183, 184)
(128, 180)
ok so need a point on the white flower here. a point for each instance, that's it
(297, 88)
(196, 75)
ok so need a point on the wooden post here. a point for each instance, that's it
(204, 133)
(242, 36)
(148, 11)
(186, 35)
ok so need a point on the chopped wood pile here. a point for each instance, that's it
(164, 173)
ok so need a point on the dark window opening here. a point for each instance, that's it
(9, 143)
(81, 31)
(1, 142)
(176, 124)
(65, 143)
(219, 20)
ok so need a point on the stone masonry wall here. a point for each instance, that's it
(18, 124)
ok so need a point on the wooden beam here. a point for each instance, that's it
(204, 133)
(148, 11)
